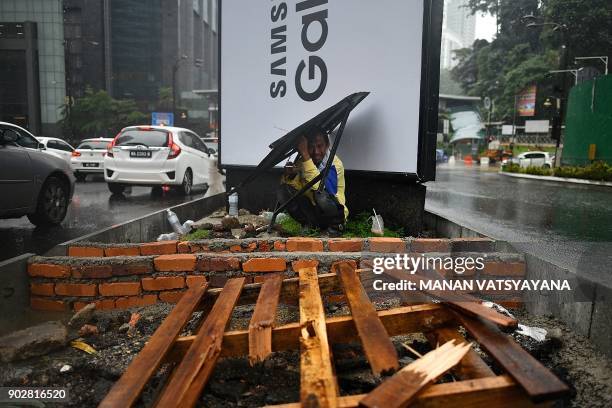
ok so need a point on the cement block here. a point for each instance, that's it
(601, 321)
(14, 288)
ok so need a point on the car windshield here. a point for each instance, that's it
(150, 138)
(94, 145)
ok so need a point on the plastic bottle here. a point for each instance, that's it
(233, 204)
(175, 223)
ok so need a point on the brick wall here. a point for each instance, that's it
(124, 276)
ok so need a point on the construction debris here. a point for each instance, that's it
(525, 380)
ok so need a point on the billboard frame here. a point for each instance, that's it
(428, 106)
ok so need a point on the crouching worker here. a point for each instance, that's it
(325, 209)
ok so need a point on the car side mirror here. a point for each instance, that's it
(211, 150)
(42, 146)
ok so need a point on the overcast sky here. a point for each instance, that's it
(485, 26)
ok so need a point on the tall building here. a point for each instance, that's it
(32, 76)
(458, 30)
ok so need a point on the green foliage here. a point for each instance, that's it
(97, 114)
(290, 226)
(598, 171)
(360, 226)
(521, 55)
(197, 235)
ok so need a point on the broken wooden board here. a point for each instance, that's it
(377, 345)
(190, 377)
(126, 391)
(458, 301)
(262, 321)
(538, 381)
(318, 386)
(471, 365)
(401, 389)
(492, 392)
(340, 329)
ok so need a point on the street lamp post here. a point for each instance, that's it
(175, 68)
(601, 58)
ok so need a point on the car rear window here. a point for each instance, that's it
(93, 145)
(150, 138)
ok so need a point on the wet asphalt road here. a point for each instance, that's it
(92, 208)
(567, 224)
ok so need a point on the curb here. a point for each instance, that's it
(558, 179)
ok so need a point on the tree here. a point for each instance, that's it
(97, 114)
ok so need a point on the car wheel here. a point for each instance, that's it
(52, 203)
(187, 186)
(546, 166)
(80, 176)
(116, 188)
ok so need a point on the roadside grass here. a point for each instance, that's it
(358, 226)
(598, 171)
(197, 235)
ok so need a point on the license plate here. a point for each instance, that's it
(140, 154)
(91, 164)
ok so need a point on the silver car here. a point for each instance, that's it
(32, 182)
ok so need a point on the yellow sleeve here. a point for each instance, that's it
(309, 172)
(341, 185)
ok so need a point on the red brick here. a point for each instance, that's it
(351, 262)
(119, 289)
(76, 289)
(430, 245)
(159, 248)
(102, 304)
(497, 268)
(135, 301)
(92, 271)
(387, 245)
(122, 251)
(195, 280)
(264, 265)
(217, 281)
(37, 303)
(183, 247)
(280, 246)
(345, 245)
(163, 283)
(264, 246)
(262, 278)
(304, 245)
(81, 251)
(171, 296)
(42, 289)
(304, 263)
(235, 248)
(175, 263)
(219, 264)
(132, 269)
(49, 270)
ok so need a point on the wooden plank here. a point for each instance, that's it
(340, 329)
(471, 365)
(318, 387)
(458, 301)
(191, 375)
(401, 389)
(490, 392)
(126, 391)
(539, 383)
(377, 345)
(328, 282)
(262, 322)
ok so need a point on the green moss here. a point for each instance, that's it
(197, 235)
(360, 226)
(290, 226)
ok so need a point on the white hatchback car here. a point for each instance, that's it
(57, 147)
(157, 156)
(535, 159)
(88, 158)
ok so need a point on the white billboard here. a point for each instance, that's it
(536, 126)
(283, 62)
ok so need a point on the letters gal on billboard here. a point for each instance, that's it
(283, 62)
